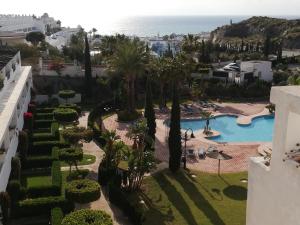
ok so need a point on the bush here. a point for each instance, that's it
(56, 216)
(86, 217)
(56, 175)
(45, 110)
(77, 174)
(23, 144)
(119, 198)
(66, 94)
(37, 206)
(71, 106)
(41, 161)
(65, 115)
(43, 191)
(32, 108)
(14, 190)
(125, 116)
(5, 204)
(43, 116)
(83, 191)
(15, 168)
(43, 123)
(70, 154)
(28, 121)
(45, 147)
(54, 135)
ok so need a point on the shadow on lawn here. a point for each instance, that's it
(236, 192)
(175, 198)
(199, 199)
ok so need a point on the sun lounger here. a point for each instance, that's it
(190, 153)
(201, 153)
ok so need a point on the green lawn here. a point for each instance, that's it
(87, 160)
(206, 199)
(33, 181)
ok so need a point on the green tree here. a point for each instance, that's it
(207, 116)
(175, 133)
(129, 61)
(35, 37)
(294, 80)
(267, 46)
(149, 111)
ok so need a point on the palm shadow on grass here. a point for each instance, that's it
(236, 192)
(199, 200)
(175, 198)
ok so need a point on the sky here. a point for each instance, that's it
(88, 12)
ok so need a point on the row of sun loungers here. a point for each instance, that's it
(201, 153)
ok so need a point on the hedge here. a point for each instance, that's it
(45, 147)
(57, 216)
(41, 161)
(119, 198)
(43, 123)
(56, 175)
(43, 191)
(125, 116)
(43, 116)
(87, 217)
(78, 174)
(45, 110)
(65, 115)
(52, 136)
(15, 190)
(71, 106)
(37, 206)
(82, 191)
(66, 94)
(71, 154)
(23, 144)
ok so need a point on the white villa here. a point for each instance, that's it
(15, 94)
(246, 71)
(273, 190)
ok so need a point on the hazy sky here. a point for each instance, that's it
(75, 12)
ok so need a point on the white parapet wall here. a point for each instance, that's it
(274, 191)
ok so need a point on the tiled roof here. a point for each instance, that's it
(6, 54)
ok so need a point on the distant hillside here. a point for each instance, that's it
(256, 28)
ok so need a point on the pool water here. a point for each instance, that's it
(260, 130)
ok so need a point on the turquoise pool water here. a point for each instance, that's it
(260, 130)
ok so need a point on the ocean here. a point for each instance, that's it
(166, 25)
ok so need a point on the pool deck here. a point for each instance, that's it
(240, 152)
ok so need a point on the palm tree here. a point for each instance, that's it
(190, 43)
(94, 30)
(110, 138)
(129, 61)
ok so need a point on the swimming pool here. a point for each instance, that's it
(260, 130)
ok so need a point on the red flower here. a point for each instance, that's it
(27, 115)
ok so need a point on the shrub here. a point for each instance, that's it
(36, 206)
(56, 174)
(71, 106)
(45, 110)
(125, 116)
(77, 174)
(28, 121)
(15, 168)
(56, 216)
(32, 108)
(43, 191)
(43, 123)
(86, 217)
(65, 115)
(14, 190)
(83, 191)
(23, 144)
(52, 136)
(66, 94)
(45, 147)
(75, 134)
(43, 116)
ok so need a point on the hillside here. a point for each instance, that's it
(255, 29)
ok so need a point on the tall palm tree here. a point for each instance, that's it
(207, 116)
(94, 30)
(129, 60)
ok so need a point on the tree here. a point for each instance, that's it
(94, 30)
(174, 133)
(149, 111)
(15, 168)
(71, 156)
(88, 68)
(35, 37)
(267, 46)
(129, 61)
(294, 80)
(75, 134)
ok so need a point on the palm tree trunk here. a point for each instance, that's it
(132, 95)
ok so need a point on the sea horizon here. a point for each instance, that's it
(147, 26)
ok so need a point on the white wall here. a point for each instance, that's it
(273, 192)
(39, 99)
(261, 69)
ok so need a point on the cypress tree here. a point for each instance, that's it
(267, 46)
(175, 134)
(88, 67)
(149, 111)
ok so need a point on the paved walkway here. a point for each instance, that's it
(240, 152)
(101, 204)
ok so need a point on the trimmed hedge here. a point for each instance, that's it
(45, 147)
(65, 115)
(43, 191)
(57, 216)
(78, 174)
(66, 94)
(71, 154)
(71, 106)
(37, 206)
(45, 110)
(87, 217)
(56, 175)
(44, 116)
(52, 136)
(82, 191)
(125, 116)
(119, 198)
(43, 123)
(41, 161)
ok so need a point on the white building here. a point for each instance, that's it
(260, 69)
(62, 38)
(273, 191)
(14, 100)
